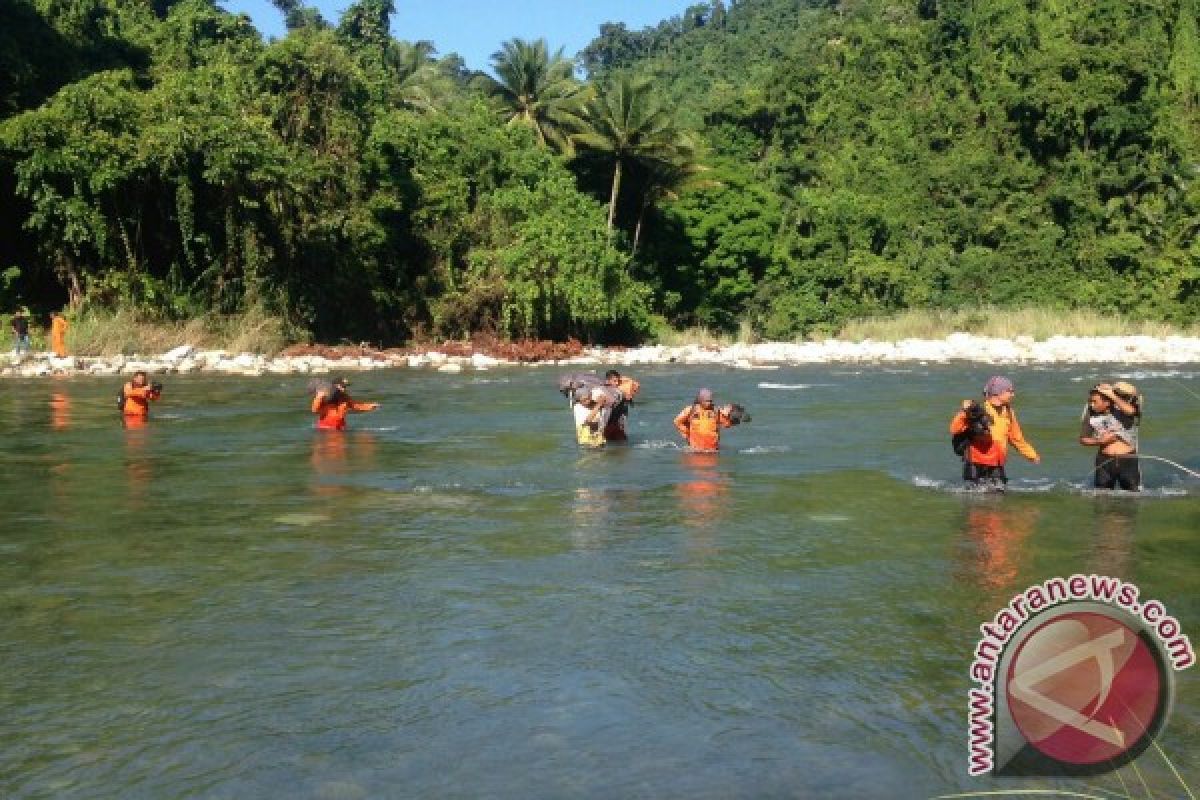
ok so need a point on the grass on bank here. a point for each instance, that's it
(95, 332)
(1037, 323)
(1002, 323)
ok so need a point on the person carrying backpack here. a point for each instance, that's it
(982, 431)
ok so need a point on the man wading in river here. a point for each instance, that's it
(332, 402)
(1110, 422)
(981, 433)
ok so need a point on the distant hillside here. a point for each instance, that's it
(874, 155)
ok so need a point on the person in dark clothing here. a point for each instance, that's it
(20, 329)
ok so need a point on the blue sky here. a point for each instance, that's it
(475, 28)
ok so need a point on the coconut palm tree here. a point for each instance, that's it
(667, 181)
(538, 90)
(629, 124)
(419, 81)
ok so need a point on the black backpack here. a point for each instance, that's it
(978, 424)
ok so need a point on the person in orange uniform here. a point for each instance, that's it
(700, 423)
(331, 405)
(58, 334)
(990, 427)
(614, 431)
(138, 394)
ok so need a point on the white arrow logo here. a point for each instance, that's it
(1101, 649)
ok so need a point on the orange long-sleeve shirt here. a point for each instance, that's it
(992, 450)
(332, 416)
(58, 336)
(137, 400)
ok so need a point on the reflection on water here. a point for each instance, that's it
(995, 533)
(336, 456)
(139, 461)
(703, 501)
(1115, 520)
(60, 411)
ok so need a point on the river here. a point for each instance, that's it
(452, 600)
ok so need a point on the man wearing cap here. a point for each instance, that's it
(987, 451)
(700, 423)
(332, 403)
(1110, 423)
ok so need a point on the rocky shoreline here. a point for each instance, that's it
(959, 347)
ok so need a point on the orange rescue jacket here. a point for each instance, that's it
(992, 450)
(137, 399)
(702, 426)
(332, 415)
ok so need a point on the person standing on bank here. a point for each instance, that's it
(58, 334)
(983, 432)
(1110, 422)
(20, 329)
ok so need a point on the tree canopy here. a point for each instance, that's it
(784, 164)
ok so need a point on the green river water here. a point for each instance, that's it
(452, 600)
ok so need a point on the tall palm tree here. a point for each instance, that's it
(667, 181)
(418, 81)
(629, 124)
(538, 90)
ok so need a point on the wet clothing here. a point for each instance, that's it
(1123, 471)
(592, 434)
(981, 475)
(331, 412)
(58, 336)
(137, 400)
(614, 431)
(991, 449)
(702, 426)
(1117, 464)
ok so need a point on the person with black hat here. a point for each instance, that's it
(1110, 422)
(331, 403)
(981, 433)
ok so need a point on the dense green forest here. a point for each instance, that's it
(776, 164)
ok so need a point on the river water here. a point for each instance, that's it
(452, 600)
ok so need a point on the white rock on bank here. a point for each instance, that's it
(481, 361)
(210, 357)
(179, 353)
(450, 368)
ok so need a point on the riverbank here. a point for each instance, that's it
(457, 357)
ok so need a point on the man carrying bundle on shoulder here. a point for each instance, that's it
(618, 418)
(1110, 422)
(332, 402)
(700, 423)
(593, 402)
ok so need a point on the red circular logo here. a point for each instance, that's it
(1084, 688)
